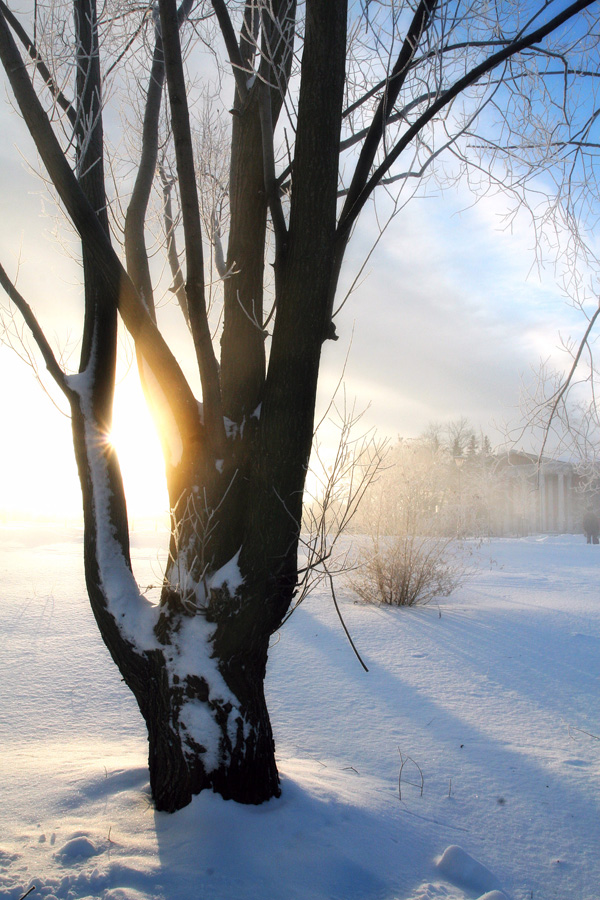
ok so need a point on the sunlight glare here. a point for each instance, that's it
(138, 448)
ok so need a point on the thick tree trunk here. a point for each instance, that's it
(237, 758)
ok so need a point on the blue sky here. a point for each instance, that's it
(450, 315)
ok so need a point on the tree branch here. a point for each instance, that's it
(38, 335)
(249, 35)
(418, 27)
(99, 345)
(190, 209)
(135, 219)
(136, 253)
(40, 65)
(354, 204)
(172, 255)
(139, 324)
(385, 82)
(233, 51)
(266, 128)
(564, 387)
(396, 117)
(277, 50)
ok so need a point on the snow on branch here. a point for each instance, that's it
(132, 613)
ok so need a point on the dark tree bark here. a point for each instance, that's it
(236, 466)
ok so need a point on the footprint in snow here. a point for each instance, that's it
(7, 858)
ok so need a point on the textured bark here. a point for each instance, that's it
(242, 752)
(246, 771)
(243, 341)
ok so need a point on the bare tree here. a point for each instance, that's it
(331, 102)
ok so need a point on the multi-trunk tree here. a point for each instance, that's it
(331, 100)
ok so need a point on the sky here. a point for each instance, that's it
(448, 317)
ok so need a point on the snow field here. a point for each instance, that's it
(488, 704)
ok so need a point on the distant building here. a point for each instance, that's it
(548, 497)
(478, 494)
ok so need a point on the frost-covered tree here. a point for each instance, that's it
(332, 101)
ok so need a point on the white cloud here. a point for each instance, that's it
(449, 318)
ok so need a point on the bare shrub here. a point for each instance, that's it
(408, 570)
(410, 514)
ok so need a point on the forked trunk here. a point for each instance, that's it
(195, 663)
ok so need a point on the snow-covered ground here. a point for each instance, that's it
(486, 708)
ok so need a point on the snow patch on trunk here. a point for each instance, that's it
(195, 591)
(190, 654)
(199, 723)
(228, 575)
(133, 613)
(231, 427)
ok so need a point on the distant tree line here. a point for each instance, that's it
(441, 483)
(457, 437)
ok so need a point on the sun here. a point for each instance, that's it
(138, 448)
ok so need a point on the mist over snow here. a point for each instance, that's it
(465, 764)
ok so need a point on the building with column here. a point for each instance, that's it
(547, 496)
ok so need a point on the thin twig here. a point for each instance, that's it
(561, 392)
(337, 609)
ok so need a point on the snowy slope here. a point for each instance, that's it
(487, 706)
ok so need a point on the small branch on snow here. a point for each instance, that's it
(403, 761)
(582, 731)
(27, 893)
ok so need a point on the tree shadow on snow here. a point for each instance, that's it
(310, 844)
